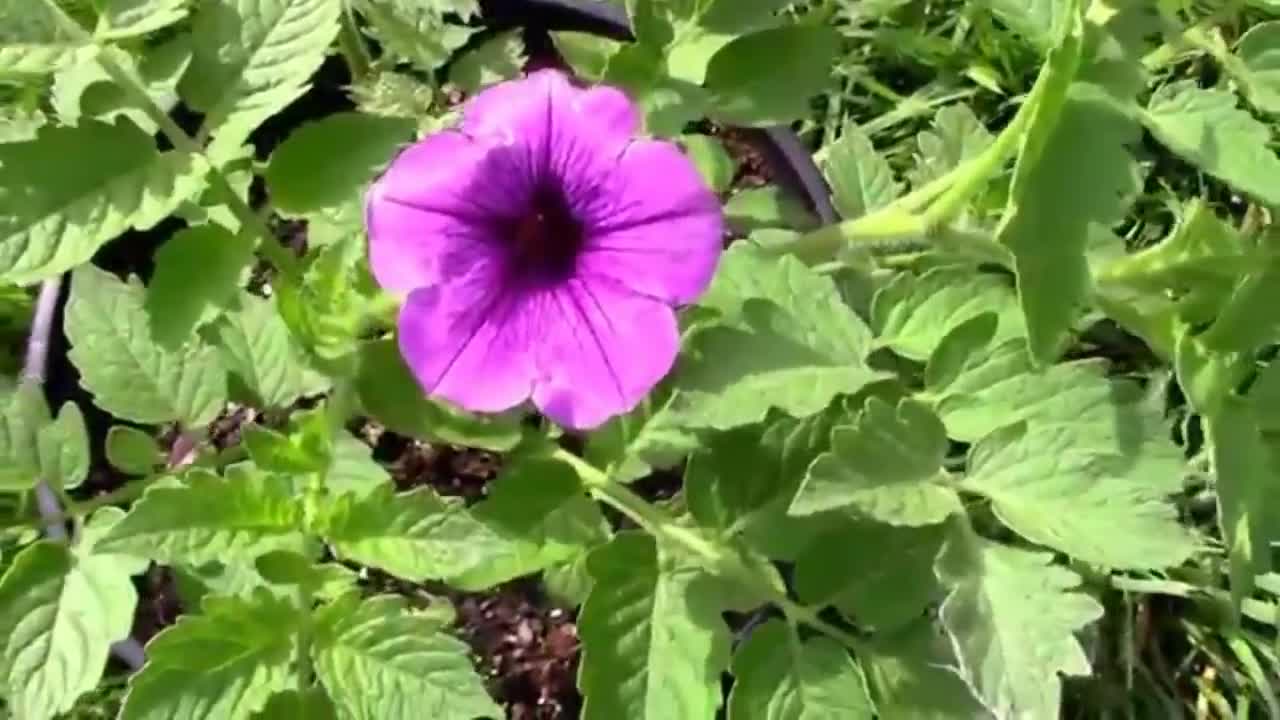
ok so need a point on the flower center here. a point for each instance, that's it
(548, 236)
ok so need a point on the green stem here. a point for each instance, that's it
(1054, 77)
(279, 256)
(352, 45)
(715, 559)
(946, 197)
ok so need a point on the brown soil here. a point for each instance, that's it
(528, 650)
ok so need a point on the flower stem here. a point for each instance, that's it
(712, 557)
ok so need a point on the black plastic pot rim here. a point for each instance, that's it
(791, 162)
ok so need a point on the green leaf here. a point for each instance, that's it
(353, 469)
(913, 314)
(415, 32)
(128, 18)
(1246, 483)
(712, 160)
(396, 95)
(32, 41)
(390, 394)
(654, 644)
(25, 415)
(689, 54)
(290, 704)
(1090, 504)
(198, 272)
(381, 661)
(26, 60)
(60, 610)
(499, 58)
(129, 374)
(765, 207)
(307, 175)
(629, 446)
(535, 517)
(86, 90)
(959, 349)
(256, 345)
(768, 77)
(301, 451)
(252, 58)
(56, 210)
(63, 447)
(132, 451)
(781, 678)
(19, 124)
(786, 340)
(1206, 128)
(1264, 396)
(846, 567)
(1202, 255)
(910, 673)
(538, 516)
(586, 53)
(742, 481)
(1011, 616)
(415, 535)
(1083, 177)
(860, 178)
(1001, 388)
(955, 136)
(210, 519)
(1259, 52)
(887, 464)
(1034, 20)
(226, 662)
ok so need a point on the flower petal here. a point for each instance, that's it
(526, 109)
(435, 208)
(468, 342)
(654, 226)
(601, 350)
(555, 131)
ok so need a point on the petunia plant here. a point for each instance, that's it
(782, 379)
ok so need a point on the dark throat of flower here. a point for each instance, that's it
(547, 238)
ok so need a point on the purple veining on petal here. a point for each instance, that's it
(543, 248)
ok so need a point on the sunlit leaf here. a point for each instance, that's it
(861, 179)
(654, 644)
(1093, 505)
(1208, 129)
(210, 518)
(60, 610)
(127, 371)
(198, 272)
(56, 210)
(886, 464)
(768, 77)
(308, 174)
(225, 662)
(1011, 617)
(781, 678)
(254, 57)
(379, 660)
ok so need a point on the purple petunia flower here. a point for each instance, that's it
(543, 248)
